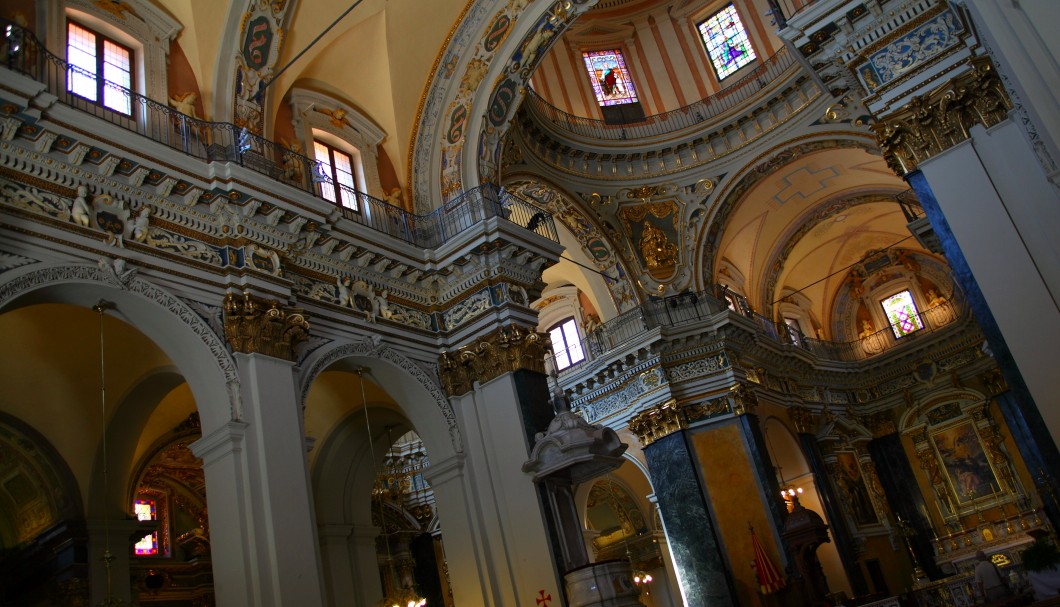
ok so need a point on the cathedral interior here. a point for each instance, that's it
(537, 303)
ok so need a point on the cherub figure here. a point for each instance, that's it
(79, 212)
(140, 224)
(342, 289)
(185, 103)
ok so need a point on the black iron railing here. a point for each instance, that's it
(688, 308)
(669, 122)
(226, 142)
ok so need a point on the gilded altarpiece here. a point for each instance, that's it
(654, 229)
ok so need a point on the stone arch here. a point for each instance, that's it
(415, 397)
(22, 446)
(499, 48)
(169, 322)
(735, 192)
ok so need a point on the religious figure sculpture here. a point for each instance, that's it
(658, 251)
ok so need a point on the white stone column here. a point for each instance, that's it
(259, 495)
(350, 565)
(120, 533)
(1005, 216)
(496, 541)
(237, 579)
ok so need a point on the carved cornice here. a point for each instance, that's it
(505, 350)
(933, 123)
(256, 326)
(658, 422)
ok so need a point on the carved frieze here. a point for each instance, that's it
(505, 350)
(932, 123)
(657, 422)
(254, 325)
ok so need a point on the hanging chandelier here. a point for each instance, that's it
(399, 596)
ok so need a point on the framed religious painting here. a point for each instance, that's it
(852, 486)
(966, 463)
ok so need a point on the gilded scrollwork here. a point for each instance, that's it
(503, 351)
(932, 123)
(744, 399)
(657, 422)
(254, 325)
(802, 418)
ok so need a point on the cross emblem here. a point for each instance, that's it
(543, 599)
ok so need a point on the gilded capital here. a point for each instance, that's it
(803, 419)
(933, 123)
(744, 399)
(255, 325)
(657, 422)
(881, 424)
(505, 350)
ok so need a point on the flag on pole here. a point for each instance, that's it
(769, 578)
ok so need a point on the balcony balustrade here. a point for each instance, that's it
(228, 143)
(670, 122)
(688, 308)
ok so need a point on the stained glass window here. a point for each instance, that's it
(902, 313)
(726, 41)
(100, 69)
(611, 82)
(145, 510)
(565, 344)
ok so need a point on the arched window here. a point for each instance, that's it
(344, 141)
(610, 78)
(902, 314)
(566, 343)
(100, 69)
(340, 167)
(726, 41)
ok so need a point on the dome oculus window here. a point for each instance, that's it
(610, 78)
(901, 312)
(726, 40)
(565, 344)
(100, 69)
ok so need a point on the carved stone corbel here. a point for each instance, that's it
(255, 325)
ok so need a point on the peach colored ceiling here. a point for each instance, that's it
(378, 58)
(49, 375)
(775, 209)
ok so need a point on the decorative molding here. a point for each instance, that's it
(505, 350)
(803, 419)
(744, 399)
(657, 422)
(255, 325)
(933, 123)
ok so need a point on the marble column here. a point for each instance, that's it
(1037, 442)
(117, 536)
(837, 521)
(904, 497)
(690, 527)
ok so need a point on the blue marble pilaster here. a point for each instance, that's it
(904, 497)
(690, 528)
(1035, 444)
(837, 521)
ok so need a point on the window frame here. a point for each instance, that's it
(921, 325)
(98, 75)
(631, 98)
(561, 326)
(706, 43)
(340, 195)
